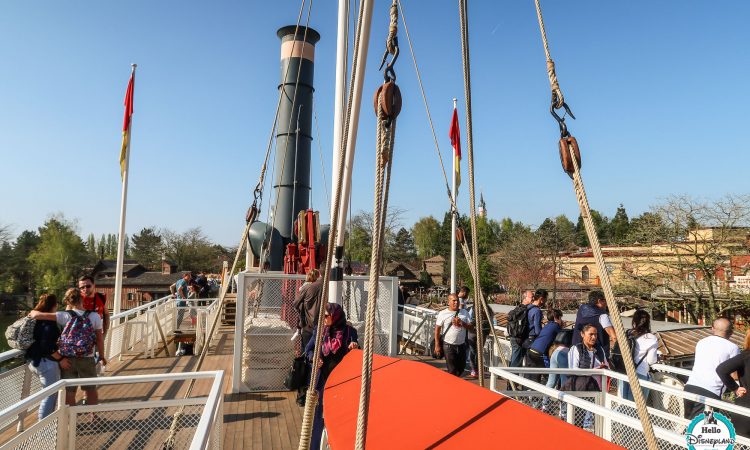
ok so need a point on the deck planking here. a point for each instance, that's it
(257, 420)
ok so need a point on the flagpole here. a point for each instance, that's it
(123, 208)
(453, 223)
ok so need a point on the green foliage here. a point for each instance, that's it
(192, 250)
(59, 257)
(601, 225)
(425, 279)
(403, 246)
(426, 234)
(619, 227)
(147, 248)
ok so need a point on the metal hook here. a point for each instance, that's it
(390, 74)
(561, 120)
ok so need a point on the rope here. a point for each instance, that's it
(383, 162)
(426, 105)
(557, 95)
(170, 442)
(445, 177)
(583, 204)
(622, 340)
(470, 152)
(312, 393)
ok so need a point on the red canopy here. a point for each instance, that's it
(414, 405)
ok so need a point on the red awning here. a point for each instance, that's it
(415, 406)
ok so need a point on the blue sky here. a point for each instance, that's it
(657, 87)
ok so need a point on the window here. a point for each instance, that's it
(585, 273)
(131, 296)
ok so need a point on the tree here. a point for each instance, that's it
(91, 247)
(619, 227)
(555, 236)
(601, 225)
(403, 246)
(147, 248)
(426, 234)
(60, 256)
(360, 234)
(191, 250)
(19, 264)
(522, 264)
(691, 243)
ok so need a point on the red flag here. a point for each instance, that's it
(455, 135)
(126, 122)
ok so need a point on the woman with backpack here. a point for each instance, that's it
(644, 350)
(82, 331)
(43, 358)
(338, 338)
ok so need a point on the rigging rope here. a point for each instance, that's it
(570, 158)
(312, 393)
(470, 152)
(387, 108)
(445, 175)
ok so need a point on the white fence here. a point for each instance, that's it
(608, 415)
(193, 423)
(266, 322)
(141, 329)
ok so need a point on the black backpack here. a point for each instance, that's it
(616, 355)
(518, 322)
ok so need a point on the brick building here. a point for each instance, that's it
(139, 285)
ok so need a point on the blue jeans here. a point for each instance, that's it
(48, 373)
(559, 360)
(627, 393)
(516, 353)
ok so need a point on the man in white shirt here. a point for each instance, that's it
(451, 326)
(709, 353)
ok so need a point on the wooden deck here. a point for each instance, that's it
(269, 420)
(251, 420)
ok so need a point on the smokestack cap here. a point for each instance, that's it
(287, 34)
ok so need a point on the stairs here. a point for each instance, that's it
(229, 309)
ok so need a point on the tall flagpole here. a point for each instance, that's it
(123, 207)
(453, 221)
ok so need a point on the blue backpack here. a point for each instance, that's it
(78, 337)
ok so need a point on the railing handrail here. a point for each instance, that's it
(672, 369)
(202, 430)
(11, 354)
(633, 422)
(36, 397)
(731, 407)
(138, 309)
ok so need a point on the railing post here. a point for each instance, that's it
(239, 334)
(72, 426)
(62, 420)
(607, 425)
(25, 391)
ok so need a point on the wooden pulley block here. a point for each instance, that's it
(459, 234)
(388, 97)
(252, 214)
(565, 159)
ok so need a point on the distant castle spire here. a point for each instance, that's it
(482, 206)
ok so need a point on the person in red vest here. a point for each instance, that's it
(93, 301)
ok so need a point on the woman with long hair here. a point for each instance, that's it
(741, 365)
(587, 354)
(43, 358)
(338, 338)
(644, 351)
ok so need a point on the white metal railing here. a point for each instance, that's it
(614, 418)
(130, 423)
(16, 383)
(266, 322)
(137, 329)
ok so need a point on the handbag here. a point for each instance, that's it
(297, 375)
